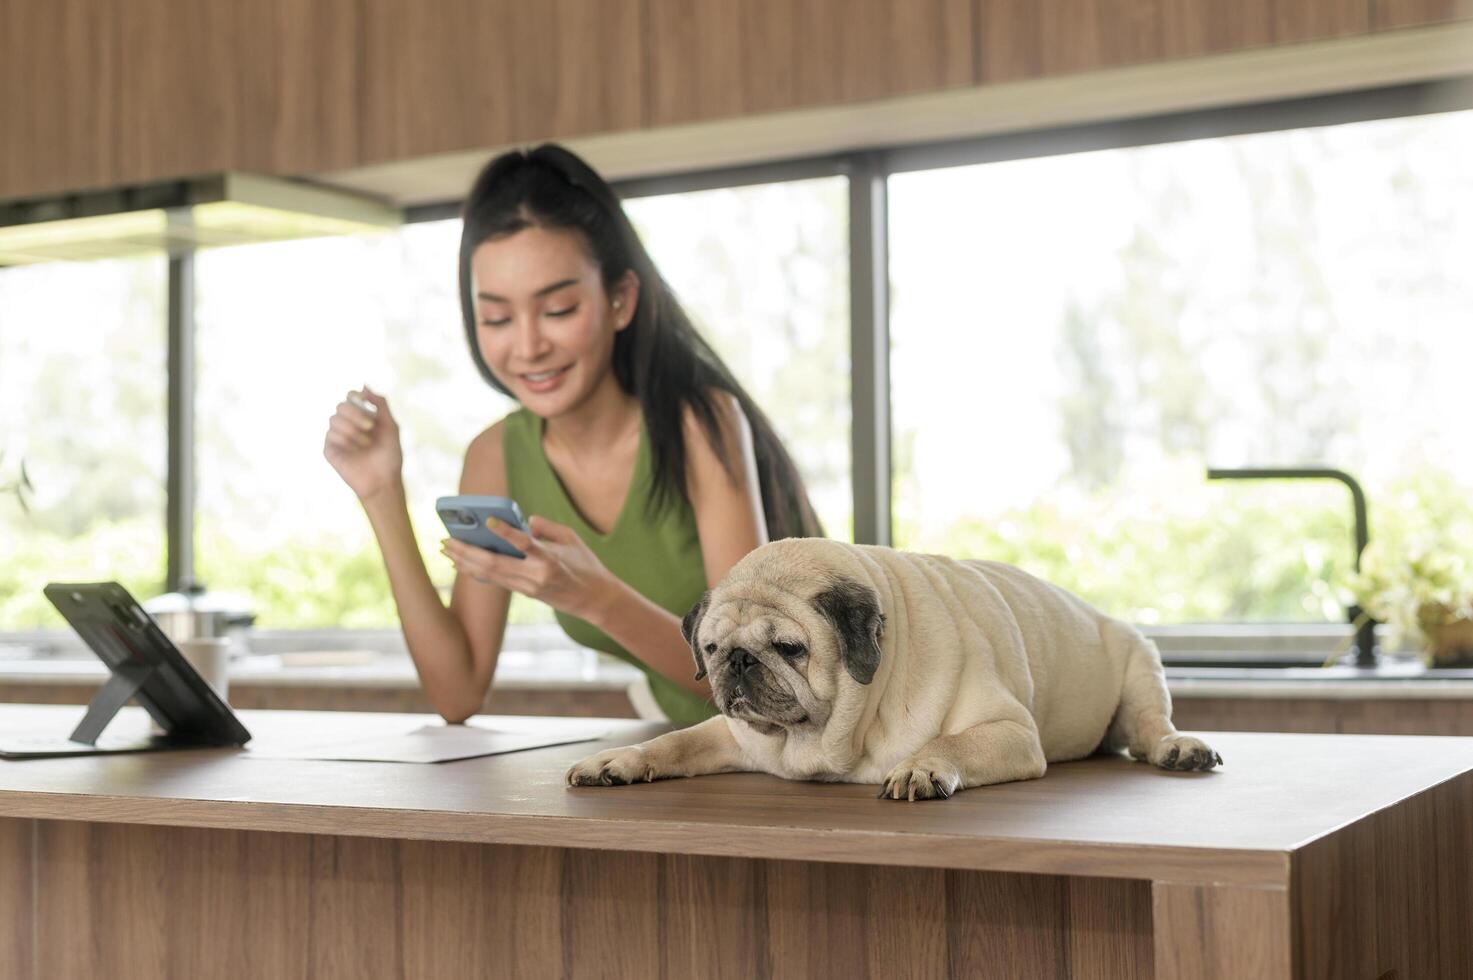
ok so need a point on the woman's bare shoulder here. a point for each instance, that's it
(731, 422)
(484, 470)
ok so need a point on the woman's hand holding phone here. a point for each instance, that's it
(362, 443)
(558, 568)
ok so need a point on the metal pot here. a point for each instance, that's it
(192, 613)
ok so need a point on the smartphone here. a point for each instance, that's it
(465, 518)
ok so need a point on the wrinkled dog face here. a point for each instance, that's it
(775, 660)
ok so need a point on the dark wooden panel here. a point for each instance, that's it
(466, 907)
(98, 94)
(910, 925)
(714, 60)
(716, 924)
(1391, 894)
(866, 49)
(17, 908)
(58, 75)
(1222, 933)
(174, 107)
(1255, 715)
(1335, 925)
(1351, 716)
(135, 901)
(436, 78)
(1036, 38)
(1009, 934)
(1389, 14)
(718, 58)
(456, 74)
(611, 914)
(1110, 929)
(294, 85)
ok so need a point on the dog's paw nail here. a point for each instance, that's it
(1172, 756)
(1216, 759)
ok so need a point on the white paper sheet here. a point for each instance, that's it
(439, 743)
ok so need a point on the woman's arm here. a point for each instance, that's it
(729, 515)
(454, 650)
(362, 444)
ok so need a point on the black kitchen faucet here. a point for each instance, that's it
(1365, 632)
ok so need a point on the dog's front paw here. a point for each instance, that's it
(613, 767)
(921, 779)
(1183, 752)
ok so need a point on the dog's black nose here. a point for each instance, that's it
(742, 661)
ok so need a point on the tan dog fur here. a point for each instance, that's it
(985, 674)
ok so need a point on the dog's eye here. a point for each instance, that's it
(788, 649)
(710, 648)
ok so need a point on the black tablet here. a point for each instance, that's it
(144, 665)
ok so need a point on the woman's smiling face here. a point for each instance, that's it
(544, 323)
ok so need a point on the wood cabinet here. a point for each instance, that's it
(717, 59)
(99, 94)
(1036, 38)
(1389, 14)
(58, 76)
(96, 94)
(455, 74)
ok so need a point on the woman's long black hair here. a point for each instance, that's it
(659, 357)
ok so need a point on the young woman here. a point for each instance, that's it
(645, 468)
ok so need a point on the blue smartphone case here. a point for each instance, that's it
(465, 518)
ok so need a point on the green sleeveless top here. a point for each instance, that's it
(659, 557)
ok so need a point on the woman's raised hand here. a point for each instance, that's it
(362, 444)
(560, 569)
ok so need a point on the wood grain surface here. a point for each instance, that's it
(459, 73)
(712, 59)
(17, 908)
(1367, 716)
(1388, 896)
(1391, 14)
(1207, 932)
(1037, 38)
(1106, 816)
(148, 902)
(94, 95)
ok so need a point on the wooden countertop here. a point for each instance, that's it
(1105, 816)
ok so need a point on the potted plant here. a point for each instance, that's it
(1423, 592)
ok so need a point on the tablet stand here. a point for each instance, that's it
(143, 666)
(122, 683)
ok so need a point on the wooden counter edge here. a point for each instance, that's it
(1241, 866)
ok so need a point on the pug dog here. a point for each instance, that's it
(924, 674)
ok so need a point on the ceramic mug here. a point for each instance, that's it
(210, 658)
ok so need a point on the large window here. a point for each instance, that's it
(764, 271)
(1076, 338)
(82, 396)
(284, 331)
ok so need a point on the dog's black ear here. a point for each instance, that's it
(854, 610)
(688, 627)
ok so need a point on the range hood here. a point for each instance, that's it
(202, 212)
